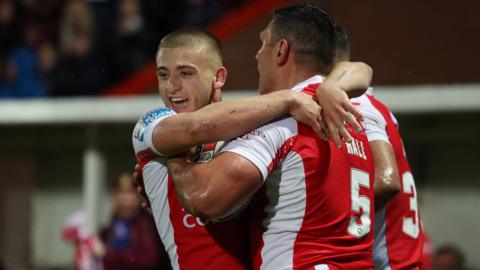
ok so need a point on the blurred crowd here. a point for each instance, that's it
(80, 47)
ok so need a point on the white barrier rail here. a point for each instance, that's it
(401, 99)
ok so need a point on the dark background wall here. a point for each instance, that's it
(406, 42)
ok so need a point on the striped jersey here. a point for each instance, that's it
(315, 210)
(398, 239)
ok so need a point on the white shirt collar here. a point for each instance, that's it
(319, 79)
(315, 79)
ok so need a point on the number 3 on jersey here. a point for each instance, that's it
(359, 229)
(410, 225)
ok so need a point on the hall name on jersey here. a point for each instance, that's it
(356, 148)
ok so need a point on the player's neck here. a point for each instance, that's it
(293, 75)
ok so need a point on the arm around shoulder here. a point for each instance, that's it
(215, 189)
(352, 77)
(220, 121)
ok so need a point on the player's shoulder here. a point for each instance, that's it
(155, 114)
(367, 104)
(365, 100)
(150, 119)
(372, 101)
(265, 138)
(285, 122)
(145, 125)
(285, 126)
(380, 107)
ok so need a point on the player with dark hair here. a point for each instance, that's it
(313, 203)
(398, 240)
(309, 32)
(190, 77)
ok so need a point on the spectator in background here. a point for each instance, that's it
(98, 42)
(7, 77)
(88, 249)
(9, 27)
(46, 12)
(80, 70)
(77, 17)
(47, 58)
(131, 240)
(21, 72)
(448, 258)
(128, 50)
(9, 30)
(8, 39)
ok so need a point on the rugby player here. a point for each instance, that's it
(398, 238)
(313, 202)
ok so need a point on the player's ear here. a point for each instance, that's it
(218, 83)
(282, 51)
(220, 78)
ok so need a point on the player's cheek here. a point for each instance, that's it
(162, 90)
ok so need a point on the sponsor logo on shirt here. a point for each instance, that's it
(147, 119)
(252, 134)
(155, 114)
(190, 221)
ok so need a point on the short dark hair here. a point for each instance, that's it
(192, 36)
(309, 31)
(343, 51)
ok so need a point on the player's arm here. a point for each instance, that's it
(352, 77)
(228, 119)
(387, 178)
(216, 188)
(347, 79)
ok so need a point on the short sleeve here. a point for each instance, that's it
(263, 146)
(143, 131)
(374, 123)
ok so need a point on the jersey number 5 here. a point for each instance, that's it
(359, 229)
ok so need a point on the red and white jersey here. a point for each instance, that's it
(398, 241)
(315, 210)
(191, 242)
